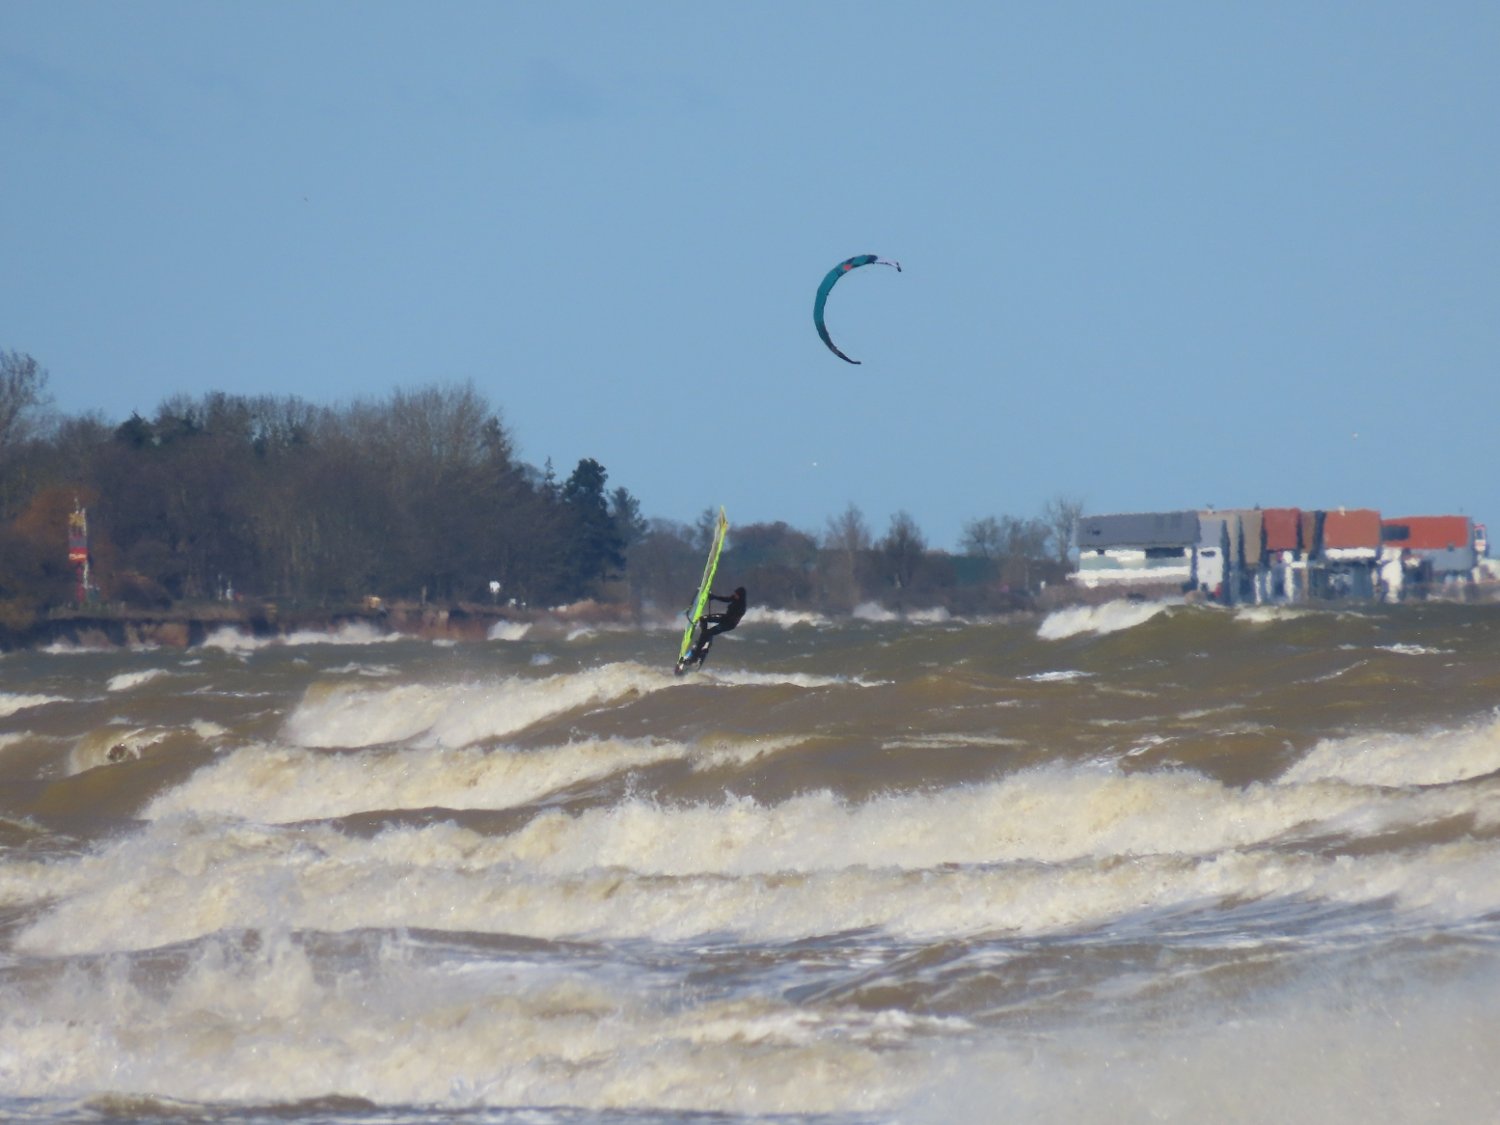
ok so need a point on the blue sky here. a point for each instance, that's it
(1156, 255)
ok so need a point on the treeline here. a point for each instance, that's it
(419, 496)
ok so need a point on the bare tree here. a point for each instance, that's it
(847, 532)
(983, 538)
(23, 397)
(664, 565)
(1061, 515)
(846, 555)
(436, 445)
(703, 528)
(775, 561)
(1023, 543)
(903, 548)
(1023, 538)
(23, 403)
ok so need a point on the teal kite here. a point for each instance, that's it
(834, 274)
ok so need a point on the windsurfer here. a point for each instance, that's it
(712, 624)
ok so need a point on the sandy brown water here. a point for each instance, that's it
(1131, 862)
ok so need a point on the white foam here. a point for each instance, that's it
(1268, 614)
(1040, 851)
(11, 702)
(270, 1024)
(279, 784)
(127, 680)
(347, 633)
(1111, 617)
(229, 639)
(370, 671)
(792, 679)
(939, 741)
(874, 611)
(508, 630)
(70, 648)
(937, 615)
(348, 715)
(784, 618)
(656, 876)
(1434, 757)
(1050, 815)
(264, 1020)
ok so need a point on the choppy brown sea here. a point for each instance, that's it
(1130, 862)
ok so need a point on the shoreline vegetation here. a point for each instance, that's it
(413, 515)
(250, 510)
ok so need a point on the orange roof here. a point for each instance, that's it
(1283, 526)
(1428, 533)
(1351, 527)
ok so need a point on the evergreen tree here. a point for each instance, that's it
(596, 545)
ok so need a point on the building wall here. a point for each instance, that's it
(1124, 566)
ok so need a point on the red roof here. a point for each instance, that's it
(1282, 527)
(1351, 527)
(1428, 533)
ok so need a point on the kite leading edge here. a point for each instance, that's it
(834, 274)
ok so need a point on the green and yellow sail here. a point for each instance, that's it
(705, 587)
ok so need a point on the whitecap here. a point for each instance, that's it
(1111, 617)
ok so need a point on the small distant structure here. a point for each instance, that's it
(1487, 570)
(78, 552)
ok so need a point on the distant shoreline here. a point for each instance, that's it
(190, 625)
(187, 626)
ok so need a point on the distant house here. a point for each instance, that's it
(1282, 575)
(1350, 554)
(1137, 549)
(1433, 550)
(1432, 536)
(1250, 556)
(1215, 570)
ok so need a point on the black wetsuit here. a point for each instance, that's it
(716, 623)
